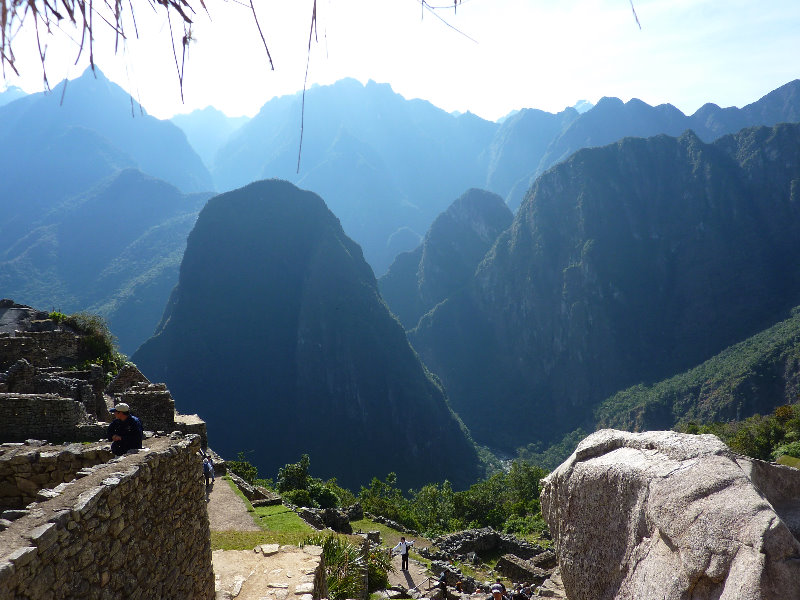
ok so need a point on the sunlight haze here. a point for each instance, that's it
(539, 54)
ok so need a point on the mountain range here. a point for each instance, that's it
(625, 264)
(628, 261)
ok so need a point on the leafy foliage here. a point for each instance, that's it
(505, 501)
(298, 487)
(764, 437)
(345, 564)
(97, 342)
(243, 468)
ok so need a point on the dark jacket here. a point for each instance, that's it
(130, 430)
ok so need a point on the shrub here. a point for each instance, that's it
(98, 343)
(299, 498)
(344, 565)
(243, 468)
(792, 449)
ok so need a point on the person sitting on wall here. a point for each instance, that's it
(125, 431)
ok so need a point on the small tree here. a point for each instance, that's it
(294, 476)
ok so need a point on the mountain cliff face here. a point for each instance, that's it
(276, 333)
(446, 260)
(626, 263)
(208, 130)
(752, 377)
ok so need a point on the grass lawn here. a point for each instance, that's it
(789, 461)
(280, 526)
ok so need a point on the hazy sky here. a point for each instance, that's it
(545, 54)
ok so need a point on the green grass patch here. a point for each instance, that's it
(280, 519)
(247, 540)
(789, 461)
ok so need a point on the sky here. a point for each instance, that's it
(489, 57)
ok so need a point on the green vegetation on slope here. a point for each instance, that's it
(753, 376)
(769, 437)
(506, 501)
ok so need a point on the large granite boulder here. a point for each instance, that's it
(672, 516)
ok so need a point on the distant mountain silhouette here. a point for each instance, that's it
(611, 120)
(92, 102)
(277, 335)
(446, 260)
(114, 250)
(207, 130)
(626, 263)
(10, 94)
(381, 162)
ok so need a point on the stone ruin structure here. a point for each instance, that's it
(75, 521)
(128, 527)
(45, 396)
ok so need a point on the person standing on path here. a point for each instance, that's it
(402, 547)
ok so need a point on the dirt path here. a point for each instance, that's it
(415, 577)
(226, 510)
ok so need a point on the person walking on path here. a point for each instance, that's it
(125, 431)
(402, 547)
(208, 470)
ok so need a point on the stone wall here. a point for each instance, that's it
(24, 470)
(135, 527)
(153, 404)
(42, 416)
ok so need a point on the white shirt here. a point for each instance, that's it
(402, 547)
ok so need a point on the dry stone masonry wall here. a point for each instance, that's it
(135, 527)
(25, 471)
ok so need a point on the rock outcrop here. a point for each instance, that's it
(673, 516)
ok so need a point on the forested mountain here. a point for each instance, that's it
(752, 377)
(381, 162)
(626, 263)
(277, 335)
(92, 102)
(114, 249)
(446, 260)
(207, 130)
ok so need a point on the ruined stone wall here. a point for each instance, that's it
(24, 471)
(136, 527)
(153, 404)
(13, 349)
(41, 416)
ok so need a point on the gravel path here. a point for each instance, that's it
(226, 510)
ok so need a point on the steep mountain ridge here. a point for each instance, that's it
(446, 260)
(277, 334)
(626, 263)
